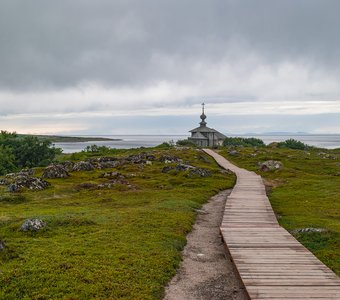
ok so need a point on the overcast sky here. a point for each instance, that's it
(132, 66)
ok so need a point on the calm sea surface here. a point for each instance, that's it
(135, 141)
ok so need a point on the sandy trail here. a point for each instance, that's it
(206, 271)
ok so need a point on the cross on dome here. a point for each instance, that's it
(203, 116)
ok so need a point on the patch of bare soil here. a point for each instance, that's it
(206, 271)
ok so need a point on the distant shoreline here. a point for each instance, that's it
(69, 139)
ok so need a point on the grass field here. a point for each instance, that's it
(103, 244)
(305, 193)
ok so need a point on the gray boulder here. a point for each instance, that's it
(112, 174)
(270, 165)
(169, 159)
(26, 172)
(83, 166)
(32, 225)
(2, 245)
(199, 172)
(233, 152)
(31, 183)
(309, 229)
(55, 171)
(167, 169)
(4, 181)
(68, 165)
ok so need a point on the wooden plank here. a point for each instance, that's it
(271, 262)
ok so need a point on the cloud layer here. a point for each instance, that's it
(128, 58)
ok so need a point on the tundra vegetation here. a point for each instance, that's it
(116, 230)
(107, 233)
(304, 192)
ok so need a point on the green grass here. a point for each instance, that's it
(114, 243)
(305, 193)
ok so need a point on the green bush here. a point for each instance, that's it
(186, 143)
(245, 142)
(293, 144)
(29, 151)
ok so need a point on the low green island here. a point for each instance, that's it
(69, 139)
(117, 220)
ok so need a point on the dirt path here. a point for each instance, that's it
(206, 271)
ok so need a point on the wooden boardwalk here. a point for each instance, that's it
(271, 262)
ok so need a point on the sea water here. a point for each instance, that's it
(136, 141)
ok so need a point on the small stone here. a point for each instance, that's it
(233, 152)
(168, 159)
(270, 165)
(2, 245)
(309, 229)
(13, 188)
(167, 169)
(112, 174)
(32, 225)
(4, 181)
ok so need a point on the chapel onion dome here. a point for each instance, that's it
(203, 117)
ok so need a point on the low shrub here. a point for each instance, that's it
(293, 144)
(245, 142)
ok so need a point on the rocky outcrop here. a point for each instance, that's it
(18, 181)
(83, 166)
(168, 159)
(4, 181)
(55, 171)
(105, 162)
(112, 174)
(270, 165)
(140, 158)
(105, 185)
(68, 165)
(193, 171)
(32, 225)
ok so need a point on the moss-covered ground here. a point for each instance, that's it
(305, 193)
(114, 243)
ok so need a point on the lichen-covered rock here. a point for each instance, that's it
(2, 245)
(184, 167)
(83, 166)
(31, 183)
(270, 165)
(233, 152)
(199, 172)
(27, 172)
(32, 225)
(109, 184)
(309, 229)
(203, 158)
(108, 164)
(104, 162)
(140, 158)
(112, 174)
(167, 169)
(193, 171)
(4, 181)
(55, 171)
(169, 159)
(68, 165)
(13, 188)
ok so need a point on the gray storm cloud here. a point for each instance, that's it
(131, 57)
(60, 44)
